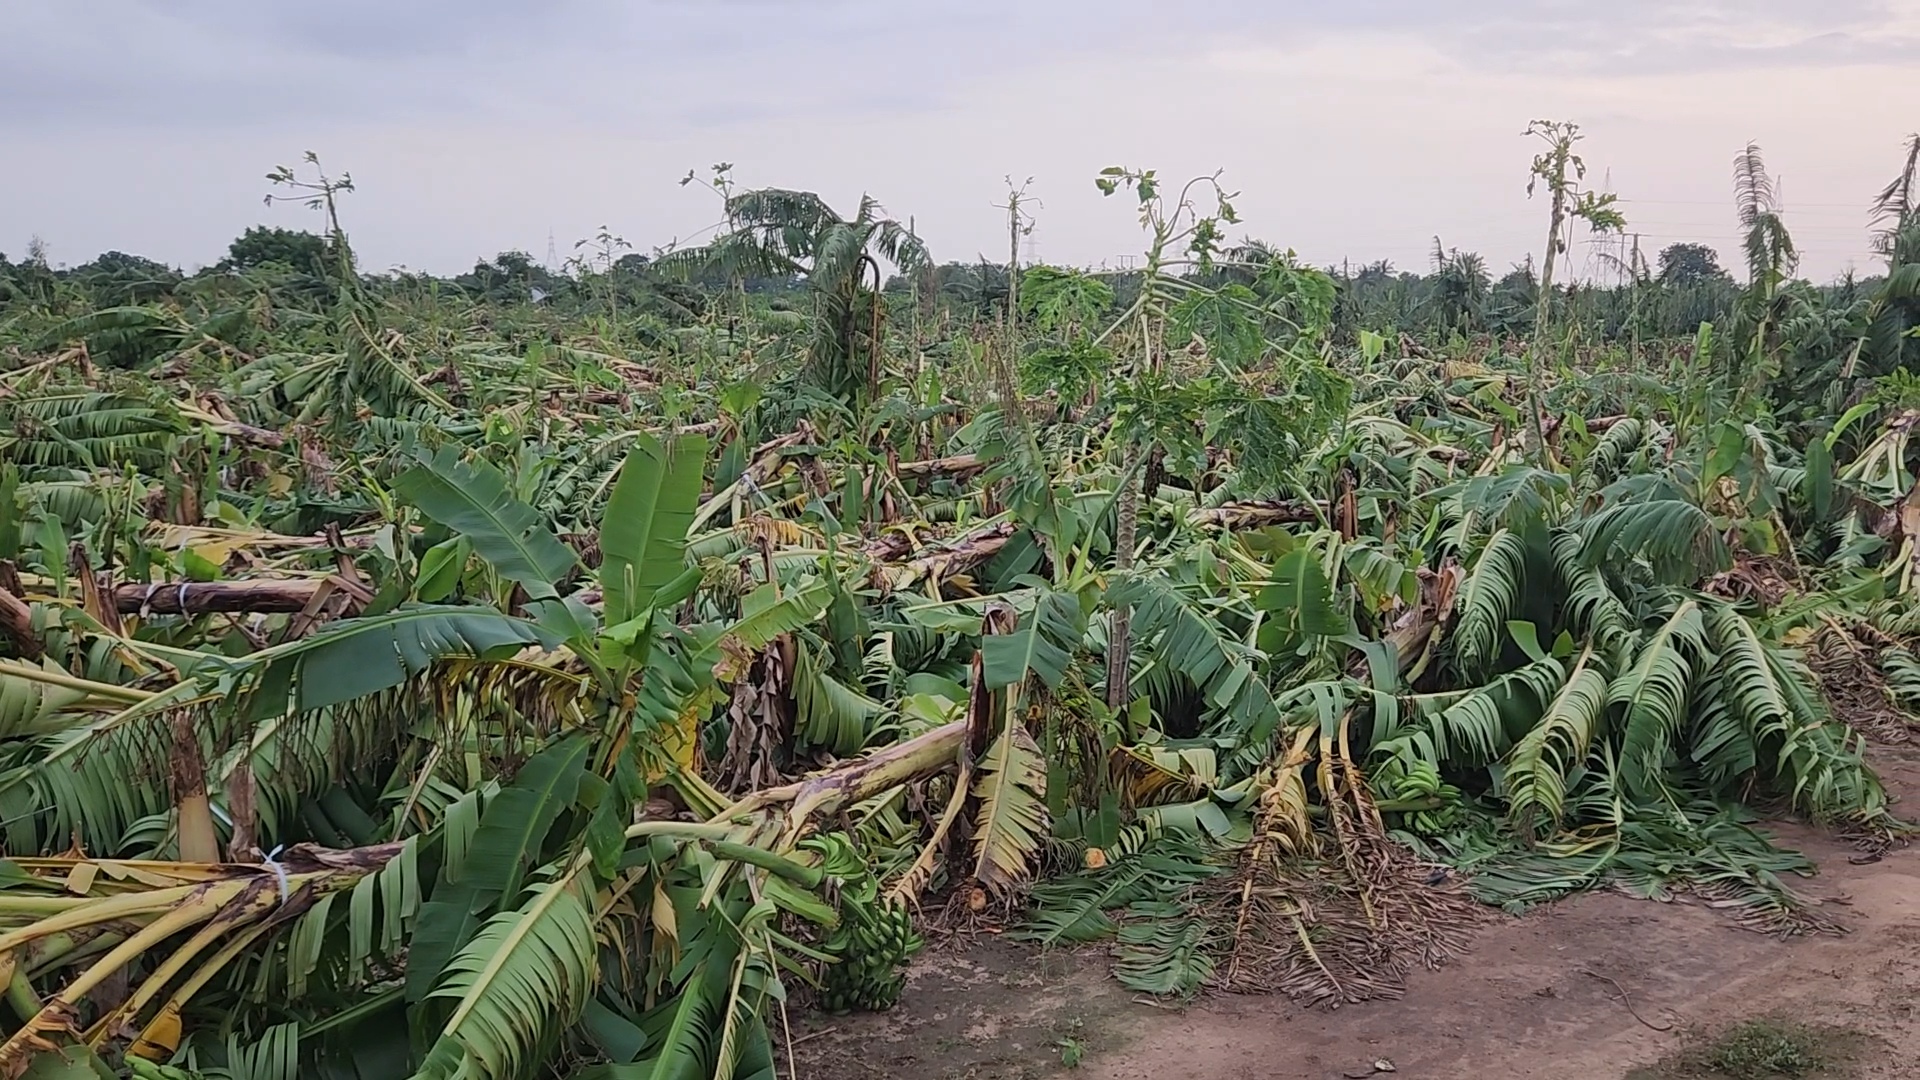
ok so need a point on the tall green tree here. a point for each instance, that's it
(1460, 289)
(262, 245)
(1689, 264)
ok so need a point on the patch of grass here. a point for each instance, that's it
(1766, 1049)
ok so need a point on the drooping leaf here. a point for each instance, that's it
(1479, 726)
(1819, 482)
(1182, 637)
(523, 978)
(1516, 500)
(1654, 691)
(1677, 539)
(1527, 636)
(1011, 824)
(1729, 444)
(494, 862)
(766, 613)
(352, 658)
(1302, 596)
(1487, 603)
(472, 498)
(619, 1038)
(828, 713)
(682, 1031)
(1198, 818)
(1540, 763)
(644, 532)
(1042, 644)
(1591, 606)
(1164, 950)
(1758, 711)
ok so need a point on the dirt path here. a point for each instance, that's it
(1520, 1004)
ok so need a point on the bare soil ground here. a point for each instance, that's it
(1537, 996)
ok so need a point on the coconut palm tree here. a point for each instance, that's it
(1460, 289)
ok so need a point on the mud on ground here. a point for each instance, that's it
(1538, 996)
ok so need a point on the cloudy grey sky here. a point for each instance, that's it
(1358, 129)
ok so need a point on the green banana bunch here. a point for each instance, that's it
(1420, 779)
(873, 939)
(873, 943)
(838, 857)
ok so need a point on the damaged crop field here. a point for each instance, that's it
(794, 656)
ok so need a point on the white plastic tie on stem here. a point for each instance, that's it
(279, 871)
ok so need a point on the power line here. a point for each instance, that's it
(1791, 227)
(1832, 242)
(1729, 202)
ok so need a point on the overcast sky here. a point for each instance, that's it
(1355, 130)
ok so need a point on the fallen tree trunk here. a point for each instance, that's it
(1256, 514)
(247, 433)
(958, 465)
(264, 596)
(888, 547)
(213, 413)
(179, 536)
(827, 793)
(16, 623)
(962, 555)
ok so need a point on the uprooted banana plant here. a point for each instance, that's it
(406, 685)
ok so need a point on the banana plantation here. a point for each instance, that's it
(584, 674)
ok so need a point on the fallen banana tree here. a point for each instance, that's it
(164, 933)
(467, 901)
(1166, 622)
